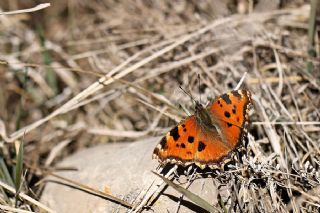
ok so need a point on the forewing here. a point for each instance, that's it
(177, 146)
(230, 112)
(189, 142)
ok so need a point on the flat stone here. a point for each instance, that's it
(122, 170)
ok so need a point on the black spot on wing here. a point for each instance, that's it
(227, 114)
(190, 139)
(156, 151)
(175, 133)
(163, 142)
(201, 146)
(229, 124)
(236, 93)
(226, 98)
(183, 145)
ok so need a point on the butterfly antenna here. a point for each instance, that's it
(199, 87)
(187, 93)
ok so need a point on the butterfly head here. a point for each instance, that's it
(202, 115)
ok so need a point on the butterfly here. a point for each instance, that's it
(211, 136)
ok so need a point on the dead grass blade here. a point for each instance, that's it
(92, 190)
(26, 197)
(11, 209)
(193, 197)
(152, 191)
(30, 10)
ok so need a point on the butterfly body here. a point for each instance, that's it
(203, 116)
(211, 135)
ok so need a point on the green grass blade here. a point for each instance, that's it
(19, 170)
(5, 176)
(21, 112)
(51, 76)
(4, 195)
(4, 173)
(193, 197)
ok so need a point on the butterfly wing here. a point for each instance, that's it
(189, 142)
(193, 142)
(177, 146)
(230, 112)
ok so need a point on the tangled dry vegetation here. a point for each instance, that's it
(91, 72)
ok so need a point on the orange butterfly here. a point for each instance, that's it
(211, 135)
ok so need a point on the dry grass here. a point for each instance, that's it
(91, 72)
